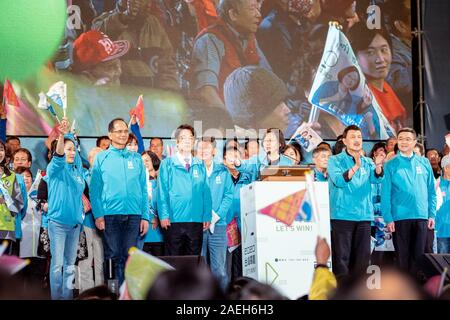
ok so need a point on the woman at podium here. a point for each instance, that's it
(273, 142)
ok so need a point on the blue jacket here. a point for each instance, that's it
(408, 190)
(65, 187)
(118, 184)
(183, 196)
(351, 200)
(443, 214)
(257, 163)
(319, 176)
(235, 210)
(153, 235)
(221, 186)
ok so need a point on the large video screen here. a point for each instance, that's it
(241, 65)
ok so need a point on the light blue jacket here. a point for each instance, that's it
(319, 176)
(408, 190)
(118, 184)
(351, 200)
(221, 186)
(154, 235)
(257, 163)
(183, 196)
(443, 214)
(65, 187)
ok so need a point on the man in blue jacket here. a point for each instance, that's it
(219, 181)
(118, 193)
(184, 198)
(350, 176)
(408, 201)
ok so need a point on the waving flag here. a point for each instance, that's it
(141, 270)
(340, 89)
(9, 96)
(34, 187)
(139, 111)
(56, 97)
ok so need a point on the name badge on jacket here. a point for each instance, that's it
(419, 170)
(218, 180)
(195, 173)
(130, 164)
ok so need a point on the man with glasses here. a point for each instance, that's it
(118, 193)
(184, 198)
(408, 201)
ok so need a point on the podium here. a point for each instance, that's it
(274, 253)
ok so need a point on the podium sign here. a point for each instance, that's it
(274, 253)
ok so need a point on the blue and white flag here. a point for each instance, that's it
(56, 97)
(32, 193)
(340, 89)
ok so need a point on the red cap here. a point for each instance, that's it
(93, 47)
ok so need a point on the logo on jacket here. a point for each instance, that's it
(195, 173)
(419, 170)
(130, 164)
(218, 180)
(363, 171)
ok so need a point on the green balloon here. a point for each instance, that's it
(30, 33)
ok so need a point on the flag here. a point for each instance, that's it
(9, 96)
(56, 97)
(306, 137)
(139, 111)
(141, 270)
(351, 106)
(13, 264)
(286, 209)
(34, 187)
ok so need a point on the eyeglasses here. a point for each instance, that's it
(120, 131)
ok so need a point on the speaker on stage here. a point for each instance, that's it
(184, 261)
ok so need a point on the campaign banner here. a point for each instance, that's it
(340, 88)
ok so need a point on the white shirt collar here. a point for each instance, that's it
(210, 170)
(182, 159)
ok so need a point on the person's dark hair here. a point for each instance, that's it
(346, 71)
(24, 150)
(361, 37)
(21, 170)
(350, 128)
(324, 144)
(113, 122)
(186, 283)
(376, 146)
(408, 130)
(184, 127)
(4, 164)
(280, 136)
(229, 148)
(10, 138)
(211, 140)
(297, 149)
(232, 140)
(318, 150)
(53, 147)
(97, 293)
(340, 137)
(338, 147)
(255, 290)
(131, 137)
(421, 148)
(155, 160)
(235, 287)
(99, 140)
(433, 149)
(396, 148)
(226, 5)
